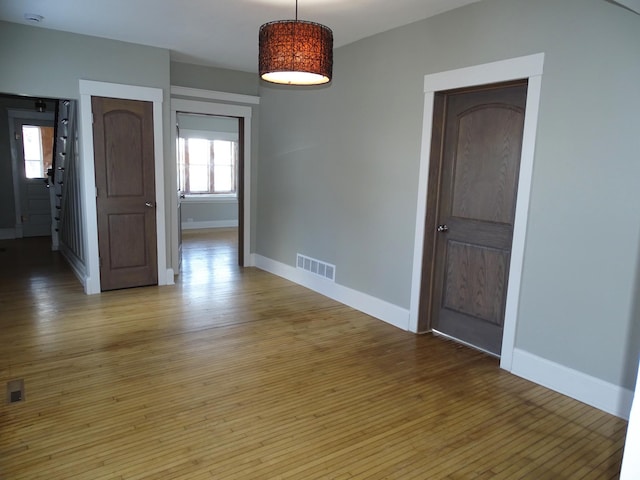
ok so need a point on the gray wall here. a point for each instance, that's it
(211, 78)
(63, 58)
(209, 214)
(50, 63)
(339, 167)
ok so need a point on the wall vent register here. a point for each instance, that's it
(317, 267)
(15, 391)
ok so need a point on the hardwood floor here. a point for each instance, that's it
(236, 374)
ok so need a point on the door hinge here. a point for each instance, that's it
(17, 135)
(96, 191)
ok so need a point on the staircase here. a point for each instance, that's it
(67, 229)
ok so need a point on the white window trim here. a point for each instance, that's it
(226, 136)
(209, 198)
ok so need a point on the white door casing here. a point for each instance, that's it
(88, 89)
(531, 68)
(197, 105)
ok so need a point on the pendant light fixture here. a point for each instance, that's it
(295, 52)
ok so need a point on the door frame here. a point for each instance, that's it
(528, 67)
(14, 114)
(88, 89)
(201, 106)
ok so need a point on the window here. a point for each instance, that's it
(207, 166)
(37, 143)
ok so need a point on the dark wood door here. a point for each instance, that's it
(240, 191)
(475, 175)
(125, 179)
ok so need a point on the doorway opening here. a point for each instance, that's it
(39, 212)
(32, 147)
(201, 104)
(209, 161)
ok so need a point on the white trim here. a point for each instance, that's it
(421, 211)
(7, 234)
(631, 460)
(518, 241)
(208, 135)
(170, 277)
(88, 89)
(387, 312)
(633, 5)
(530, 67)
(500, 71)
(209, 198)
(593, 391)
(210, 108)
(209, 224)
(214, 95)
(76, 265)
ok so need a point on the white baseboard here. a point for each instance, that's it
(209, 224)
(585, 388)
(593, 391)
(7, 233)
(385, 311)
(170, 278)
(76, 265)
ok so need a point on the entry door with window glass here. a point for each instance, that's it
(35, 157)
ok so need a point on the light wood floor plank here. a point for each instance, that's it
(236, 374)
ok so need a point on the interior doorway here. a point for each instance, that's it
(209, 159)
(201, 104)
(32, 155)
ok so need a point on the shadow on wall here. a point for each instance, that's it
(632, 348)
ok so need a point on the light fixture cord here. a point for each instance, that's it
(296, 10)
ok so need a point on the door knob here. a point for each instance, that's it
(443, 228)
(148, 204)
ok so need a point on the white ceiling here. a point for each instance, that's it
(222, 33)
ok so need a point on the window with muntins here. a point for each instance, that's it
(37, 144)
(207, 166)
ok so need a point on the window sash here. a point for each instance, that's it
(207, 166)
